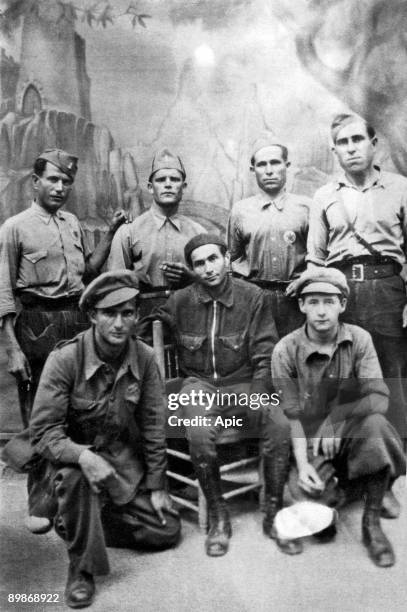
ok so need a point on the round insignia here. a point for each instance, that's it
(289, 237)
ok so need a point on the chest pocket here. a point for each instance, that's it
(191, 342)
(231, 353)
(234, 342)
(132, 394)
(192, 352)
(35, 257)
(83, 404)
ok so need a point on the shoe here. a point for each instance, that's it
(80, 589)
(378, 546)
(390, 506)
(219, 533)
(288, 547)
(37, 524)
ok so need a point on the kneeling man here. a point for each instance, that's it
(98, 423)
(225, 333)
(331, 388)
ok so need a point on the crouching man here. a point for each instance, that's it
(225, 333)
(332, 390)
(98, 421)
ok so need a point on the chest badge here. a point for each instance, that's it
(289, 237)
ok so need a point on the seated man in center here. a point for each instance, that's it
(225, 333)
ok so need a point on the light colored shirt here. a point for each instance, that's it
(378, 213)
(147, 242)
(267, 238)
(42, 255)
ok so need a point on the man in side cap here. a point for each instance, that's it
(331, 388)
(153, 245)
(98, 422)
(224, 332)
(267, 233)
(45, 263)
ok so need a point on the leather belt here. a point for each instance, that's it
(359, 272)
(36, 302)
(264, 284)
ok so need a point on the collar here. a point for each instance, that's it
(266, 200)
(343, 181)
(310, 348)
(225, 297)
(93, 362)
(43, 214)
(160, 219)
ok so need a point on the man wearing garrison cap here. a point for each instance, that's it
(224, 331)
(44, 262)
(98, 423)
(267, 233)
(331, 388)
(153, 245)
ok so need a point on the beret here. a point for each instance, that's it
(109, 289)
(201, 240)
(165, 160)
(66, 162)
(323, 280)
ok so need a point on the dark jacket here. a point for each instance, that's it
(226, 340)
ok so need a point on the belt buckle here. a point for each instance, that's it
(358, 273)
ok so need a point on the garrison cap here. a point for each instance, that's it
(109, 289)
(323, 280)
(303, 519)
(66, 162)
(200, 240)
(165, 160)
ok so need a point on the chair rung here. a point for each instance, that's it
(184, 502)
(237, 464)
(178, 454)
(188, 481)
(241, 490)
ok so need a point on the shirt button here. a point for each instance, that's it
(112, 398)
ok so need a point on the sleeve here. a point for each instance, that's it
(318, 233)
(263, 337)
(48, 421)
(234, 237)
(120, 257)
(283, 373)
(164, 313)
(9, 254)
(153, 422)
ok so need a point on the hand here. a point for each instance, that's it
(96, 470)
(327, 440)
(175, 271)
(160, 500)
(405, 316)
(309, 480)
(18, 365)
(119, 217)
(291, 290)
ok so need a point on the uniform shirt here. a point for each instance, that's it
(378, 212)
(148, 241)
(312, 382)
(267, 238)
(41, 255)
(83, 403)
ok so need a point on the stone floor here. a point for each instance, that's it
(253, 576)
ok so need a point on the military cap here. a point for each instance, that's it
(66, 162)
(165, 160)
(323, 280)
(200, 240)
(109, 289)
(302, 519)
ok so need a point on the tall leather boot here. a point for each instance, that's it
(219, 530)
(379, 548)
(276, 467)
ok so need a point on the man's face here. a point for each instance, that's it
(209, 264)
(354, 149)
(322, 311)
(166, 187)
(270, 169)
(52, 188)
(114, 325)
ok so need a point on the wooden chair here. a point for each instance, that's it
(239, 476)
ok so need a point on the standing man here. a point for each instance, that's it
(331, 388)
(358, 224)
(44, 262)
(267, 234)
(99, 424)
(224, 331)
(153, 245)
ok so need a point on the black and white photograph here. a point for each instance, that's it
(203, 305)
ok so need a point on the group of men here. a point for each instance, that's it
(289, 270)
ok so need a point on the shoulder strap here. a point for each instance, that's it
(352, 227)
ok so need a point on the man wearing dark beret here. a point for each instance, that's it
(153, 244)
(331, 388)
(98, 422)
(44, 263)
(224, 331)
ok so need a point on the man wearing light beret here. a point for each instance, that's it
(98, 423)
